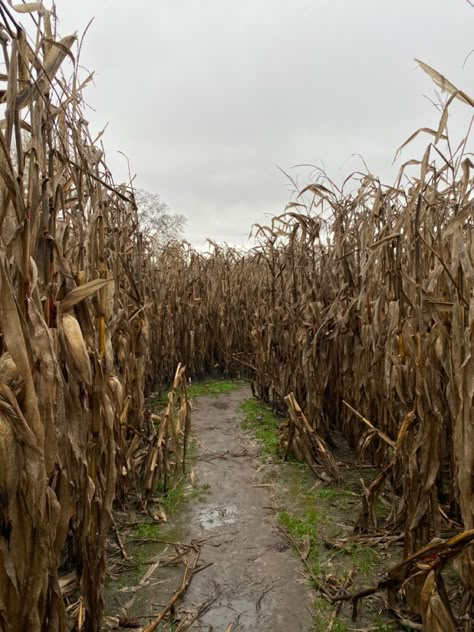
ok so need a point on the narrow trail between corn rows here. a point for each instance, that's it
(254, 580)
(255, 577)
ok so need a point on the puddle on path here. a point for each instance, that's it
(215, 516)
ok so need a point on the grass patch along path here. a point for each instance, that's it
(318, 522)
(264, 424)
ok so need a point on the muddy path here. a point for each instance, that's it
(251, 578)
(255, 578)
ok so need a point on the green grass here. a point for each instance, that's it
(340, 626)
(334, 495)
(303, 529)
(300, 527)
(214, 387)
(313, 519)
(264, 423)
(141, 556)
(158, 402)
(172, 500)
(322, 610)
(174, 497)
(197, 389)
(148, 530)
(365, 558)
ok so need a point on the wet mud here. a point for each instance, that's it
(251, 577)
(255, 579)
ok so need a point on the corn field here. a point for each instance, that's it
(355, 312)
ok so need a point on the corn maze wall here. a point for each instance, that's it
(360, 305)
(75, 341)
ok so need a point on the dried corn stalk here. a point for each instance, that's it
(75, 344)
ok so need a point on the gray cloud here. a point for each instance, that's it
(207, 97)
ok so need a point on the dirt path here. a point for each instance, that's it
(255, 578)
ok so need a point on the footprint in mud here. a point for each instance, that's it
(217, 516)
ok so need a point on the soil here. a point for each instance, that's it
(253, 579)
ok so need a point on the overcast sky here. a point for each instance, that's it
(209, 97)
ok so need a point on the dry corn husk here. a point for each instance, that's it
(8, 463)
(9, 373)
(77, 347)
(116, 391)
